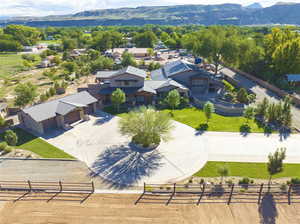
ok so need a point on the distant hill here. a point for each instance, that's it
(233, 14)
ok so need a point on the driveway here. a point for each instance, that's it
(98, 143)
(260, 92)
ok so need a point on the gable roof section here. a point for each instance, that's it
(129, 70)
(61, 106)
(156, 85)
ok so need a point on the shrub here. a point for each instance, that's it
(184, 102)
(52, 91)
(10, 137)
(3, 146)
(245, 181)
(294, 181)
(242, 96)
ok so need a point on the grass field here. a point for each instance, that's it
(252, 170)
(10, 64)
(196, 119)
(34, 144)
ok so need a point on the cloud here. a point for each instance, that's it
(56, 7)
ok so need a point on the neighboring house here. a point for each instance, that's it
(45, 63)
(133, 82)
(136, 52)
(59, 113)
(293, 79)
(78, 52)
(3, 109)
(197, 80)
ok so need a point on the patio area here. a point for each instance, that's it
(98, 143)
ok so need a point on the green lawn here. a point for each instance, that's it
(10, 64)
(49, 42)
(251, 170)
(195, 118)
(31, 143)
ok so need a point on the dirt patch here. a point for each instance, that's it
(20, 153)
(118, 209)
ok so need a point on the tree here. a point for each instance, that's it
(275, 163)
(261, 109)
(223, 171)
(286, 112)
(249, 113)
(150, 51)
(128, 59)
(10, 137)
(118, 97)
(146, 126)
(69, 67)
(69, 44)
(145, 39)
(208, 109)
(242, 96)
(25, 94)
(10, 45)
(173, 99)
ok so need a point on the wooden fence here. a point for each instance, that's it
(31, 190)
(227, 193)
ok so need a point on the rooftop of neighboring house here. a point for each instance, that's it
(62, 106)
(293, 77)
(133, 50)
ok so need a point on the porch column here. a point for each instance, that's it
(94, 107)
(81, 113)
(60, 120)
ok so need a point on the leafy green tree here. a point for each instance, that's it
(249, 113)
(223, 171)
(146, 39)
(10, 137)
(128, 59)
(10, 46)
(208, 109)
(275, 163)
(118, 97)
(69, 44)
(25, 94)
(26, 35)
(3, 122)
(242, 96)
(173, 99)
(261, 109)
(146, 126)
(287, 112)
(150, 51)
(69, 67)
(101, 63)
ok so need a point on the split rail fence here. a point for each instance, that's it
(31, 190)
(208, 193)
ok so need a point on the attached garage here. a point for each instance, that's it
(72, 117)
(49, 124)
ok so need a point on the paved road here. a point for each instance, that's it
(261, 92)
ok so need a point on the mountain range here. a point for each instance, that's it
(233, 14)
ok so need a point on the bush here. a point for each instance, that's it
(10, 137)
(3, 146)
(184, 102)
(294, 181)
(52, 91)
(245, 181)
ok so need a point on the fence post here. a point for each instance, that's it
(289, 194)
(60, 186)
(93, 187)
(172, 195)
(202, 193)
(29, 184)
(230, 196)
(260, 191)
(144, 187)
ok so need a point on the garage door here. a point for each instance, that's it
(72, 117)
(49, 124)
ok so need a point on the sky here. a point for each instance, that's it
(61, 7)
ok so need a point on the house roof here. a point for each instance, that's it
(60, 106)
(133, 50)
(176, 67)
(293, 77)
(156, 85)
(129, 70)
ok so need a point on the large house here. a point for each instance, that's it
(139, 89)
(59, 113)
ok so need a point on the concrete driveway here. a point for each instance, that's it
(98, 143)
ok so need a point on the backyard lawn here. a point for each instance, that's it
(251, 170)
(195, 118)
(34, 144)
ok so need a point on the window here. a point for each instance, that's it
(126, 83)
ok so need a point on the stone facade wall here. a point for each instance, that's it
(31, 124)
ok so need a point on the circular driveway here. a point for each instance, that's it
(98, 143)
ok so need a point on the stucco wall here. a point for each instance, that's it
(29, 123)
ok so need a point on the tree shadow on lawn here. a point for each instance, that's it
(201, 129)
(245, 130)
(267, 210)
(122, 166)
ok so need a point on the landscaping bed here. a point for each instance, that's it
(38, 146)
